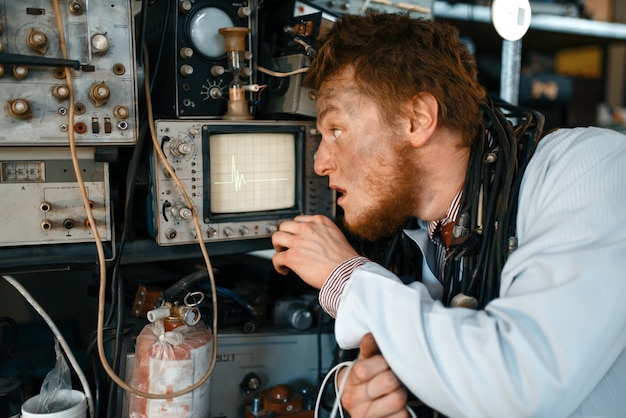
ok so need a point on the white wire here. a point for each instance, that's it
(59, 337)
(339, 390)
(339, 387)
(281, 74)
(333, 372)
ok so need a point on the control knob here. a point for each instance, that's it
(186, 53)
(37, 41)
(250, 383)
(121, 112)
(184, 6)
(99, 43)
(100, 94)
(180, 211)
(186, 70)
(215, 92)
(244, 11)
(61, 91)
(20, 109)
(180, 148)
(77, 7)
(217, 70)
(20, 72)
(300, 317)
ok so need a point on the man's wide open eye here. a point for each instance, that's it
(337, 133)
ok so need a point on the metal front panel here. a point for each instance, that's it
(41, 200)
(34, 96)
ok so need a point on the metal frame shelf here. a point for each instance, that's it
(540, 22)
(547, 32)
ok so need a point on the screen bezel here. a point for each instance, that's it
(299, 133)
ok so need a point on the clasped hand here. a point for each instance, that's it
(371, 389)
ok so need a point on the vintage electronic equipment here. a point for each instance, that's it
(288, 95)
(249, 363)
(190, 61)
(292, 46)
(243, 178)
(41, 199)
(332, 9)
(33, 88)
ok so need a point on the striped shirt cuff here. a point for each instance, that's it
(331, 291)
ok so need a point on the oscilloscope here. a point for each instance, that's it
(243, 177)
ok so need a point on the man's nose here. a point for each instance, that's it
(323, 163)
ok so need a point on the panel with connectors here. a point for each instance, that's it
(41, 105)
(41, 197)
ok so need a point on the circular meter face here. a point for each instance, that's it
(203, 33)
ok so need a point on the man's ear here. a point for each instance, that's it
(424, 116)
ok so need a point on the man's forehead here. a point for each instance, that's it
(338, 82)
(337, 97)
(338, 92)
(337, 87)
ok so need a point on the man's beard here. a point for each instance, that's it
(395, 200)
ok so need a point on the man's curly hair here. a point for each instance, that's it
(395, 57)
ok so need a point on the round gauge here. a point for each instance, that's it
(203, 33)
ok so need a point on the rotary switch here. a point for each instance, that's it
(37, 41)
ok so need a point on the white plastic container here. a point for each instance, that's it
(78, 408)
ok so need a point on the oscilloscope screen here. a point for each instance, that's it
(253, 172)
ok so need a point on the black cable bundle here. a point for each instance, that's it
(485, 230)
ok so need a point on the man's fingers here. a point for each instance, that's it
(382, 384)
(373, 390)
(321, 219)
(364, 370)
(279, 259)
(281, 268)
(392, 405)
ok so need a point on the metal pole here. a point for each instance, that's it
(510, 70)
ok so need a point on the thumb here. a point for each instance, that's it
(368, 346)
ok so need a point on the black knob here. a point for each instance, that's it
(250, 383)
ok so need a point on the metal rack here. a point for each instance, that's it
(546, 32)
(540, 22)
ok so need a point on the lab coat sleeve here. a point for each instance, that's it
(560, 322)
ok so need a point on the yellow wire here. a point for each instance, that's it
(100, 249)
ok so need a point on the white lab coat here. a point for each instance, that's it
(553, 344)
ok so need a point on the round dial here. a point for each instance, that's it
(203, 28)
